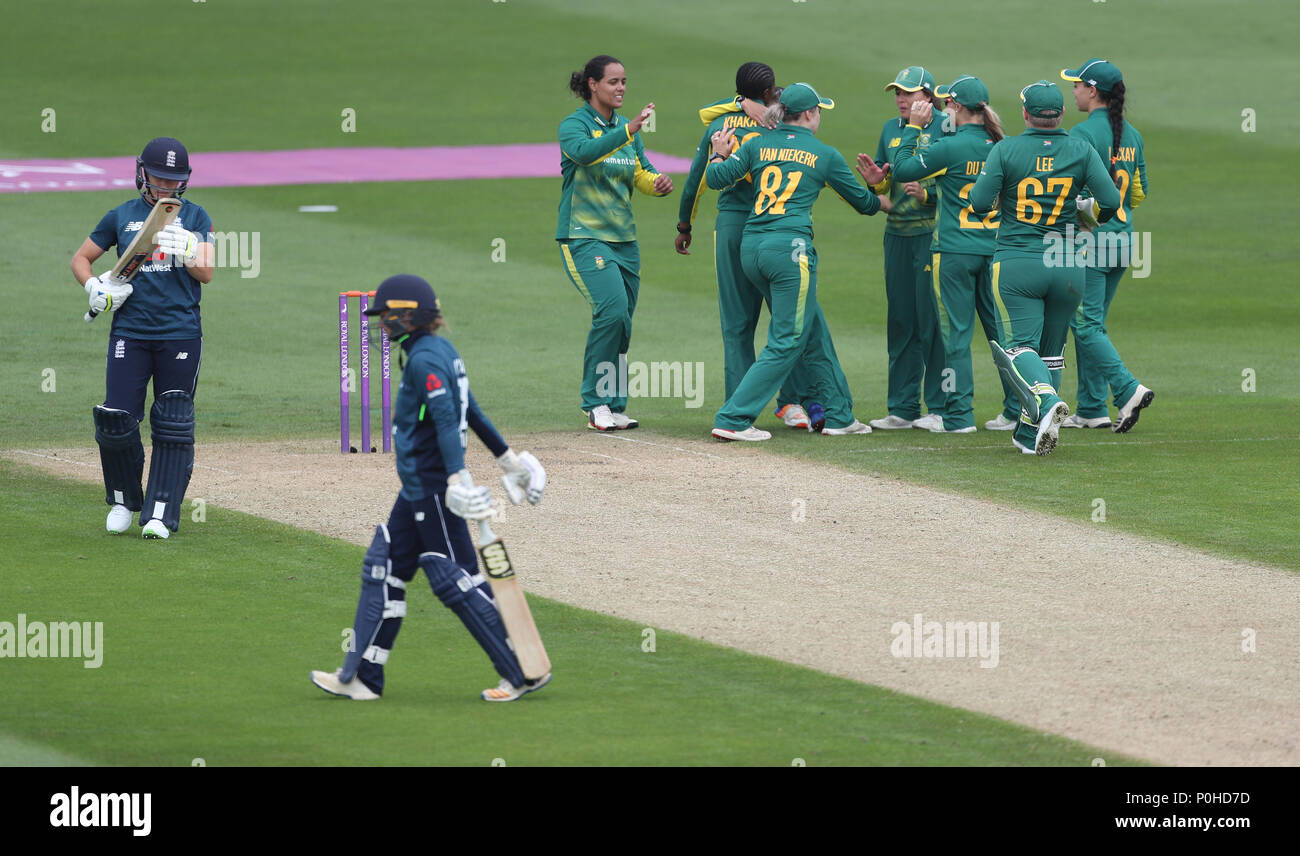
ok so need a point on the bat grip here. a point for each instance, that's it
(91, 316)
(485, 535)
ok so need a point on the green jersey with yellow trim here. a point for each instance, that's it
(601, 162)
(1129, 163)
(1037, 176)
(954, 163)
(910, 216)
(737, 197)
(789, 166)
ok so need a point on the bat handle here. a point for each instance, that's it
(91, 315)
(485, 535)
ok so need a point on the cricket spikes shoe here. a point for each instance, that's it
(750, 434)
(856, 428)
(601, 419)
(353, 689)
(1022, 447)
(622, 421)
(1077, 421)
(1128, 414)
(1002, 423)
(929, 422)
(1049, 428)
(119, 519)
(155, 530)
(794, 416)
(506, 691)
(816, 417)
(891, 422)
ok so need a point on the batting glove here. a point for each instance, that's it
(107, 294)
(467, 501)
(179, 242)
(524, 477)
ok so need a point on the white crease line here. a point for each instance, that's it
(54, 458)
(674, 448)
(215, 469)
(599, 455)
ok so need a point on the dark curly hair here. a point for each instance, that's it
(753, 79)
(595, 68)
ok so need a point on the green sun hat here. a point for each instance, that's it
(1043, 99)
(912, 79)
(1094, 72)
(799, 97)
(966, 90)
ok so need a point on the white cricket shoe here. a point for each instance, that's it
(622, 421)
(506, 691)
(1002, 423)
(856, 428)
(1077, 421)
(353, 689)
(155, 530)
(929, 422)
(891, 422)
(119, 519)
(601, 419)
(1049, 428)
(751, 434)
(794, 416)
(1023, 448)
(1128, 414)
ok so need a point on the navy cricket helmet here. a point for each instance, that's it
(411, 297)
(163, 157)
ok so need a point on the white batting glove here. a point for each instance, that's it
(107, 294)
(179, 242)
(467, 501)
(524, 477)
(1087, 211)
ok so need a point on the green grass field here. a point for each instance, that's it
(1209, 466)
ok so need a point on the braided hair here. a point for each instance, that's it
(595, 68)
(1115, 112)
(753, 79)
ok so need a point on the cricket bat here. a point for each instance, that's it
(145, 243)
(512, 604)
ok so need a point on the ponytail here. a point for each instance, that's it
(1115, 112)
(992, 124)
(776, 114)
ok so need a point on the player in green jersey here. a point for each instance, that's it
(912, 320)
(602, 159)
(790, 166)
(961, 252)
(1037, 285)
(1099, 92)
(739, 302)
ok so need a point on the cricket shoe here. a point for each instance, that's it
(155, 530)
(601, 419)
(119, 519)
(794, 416)
(891, 422)
(929, 422)
(751, 434)
(856, 428)
(1002, 423)
(1128, 414)
(937, 427)
(353, 689)
(1077, 421)
(1049, 428)
(622, 421)
(816, 417)
(506, 691)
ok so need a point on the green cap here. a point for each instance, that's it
(798, 97)
(967, 90)
(911, 79)
(1094, 72)
(1042, 99)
